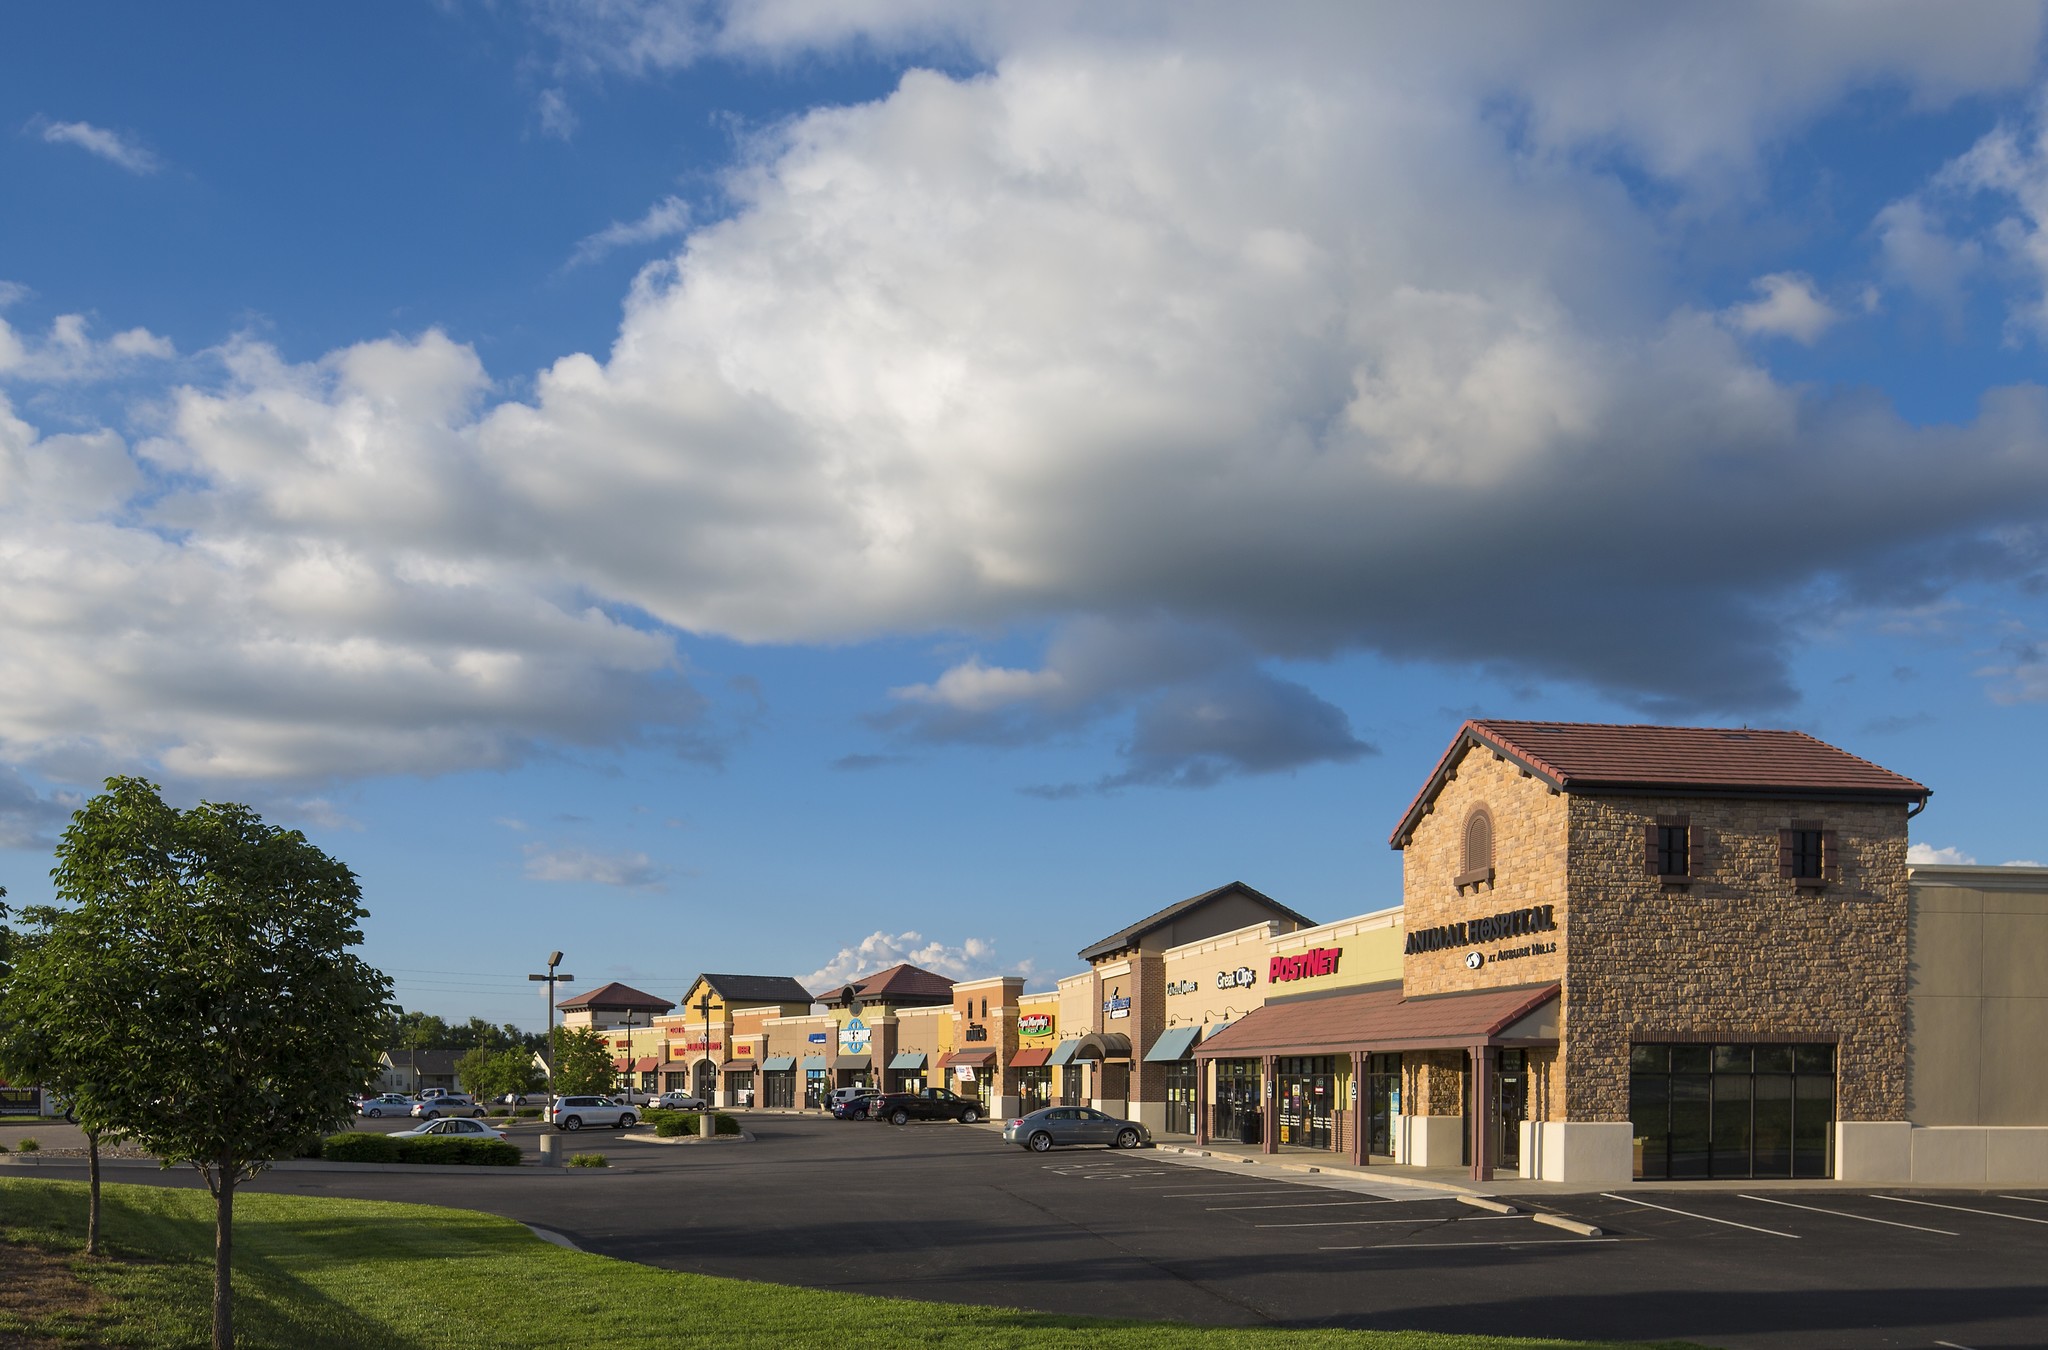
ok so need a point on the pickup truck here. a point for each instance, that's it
(900, 1108)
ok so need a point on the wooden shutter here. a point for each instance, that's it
(1830, 856)
(1695, 842)
(1785, 853)
(1650, 850)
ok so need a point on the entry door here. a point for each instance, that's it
(1180, 1098)
(1510, 1107)
(707, 1079)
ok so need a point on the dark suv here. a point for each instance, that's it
(900, 1108)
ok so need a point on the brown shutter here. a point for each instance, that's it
(1650, 867)
(1784, 853)
(1830, 856)
(1695, 844)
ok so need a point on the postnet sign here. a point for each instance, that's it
(1314, 962)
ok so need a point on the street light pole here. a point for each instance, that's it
(551, 979)
(704, 1006)
(627, 1073)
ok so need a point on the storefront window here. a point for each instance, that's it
(1180, 1097)
(1732, 1110)
(1382, 1102)
(780, 1089)
(1305, 1087)
(740, 1089)
(817, 1087)
(1034, 1089)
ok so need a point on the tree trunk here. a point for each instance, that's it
(92, 1181)
(223, 1259)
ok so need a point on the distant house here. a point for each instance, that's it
(414, 1071)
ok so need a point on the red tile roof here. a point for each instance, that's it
(1375, 1019)
(904, 981)
(1593, 757)
(616, 995)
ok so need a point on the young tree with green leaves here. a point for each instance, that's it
(583, 1062)
(217, 952)
(474, 1072)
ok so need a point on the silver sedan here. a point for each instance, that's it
(1042, 1130)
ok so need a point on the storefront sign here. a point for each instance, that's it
(1183, 987)
(1311, 964)
(1244, 977)
(1116, 1005)
(743, 1050)
(820, 1037)
(697, 1046)
(853, 1037)
(976, 1032)
(1035, 1024)
(966, 1073)
(1493, 928)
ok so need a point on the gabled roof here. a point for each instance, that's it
(1129, 937)
(1589, 757)
(900, 983)
(616, 995)
(756, 989)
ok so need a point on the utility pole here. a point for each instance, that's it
(704, 1006)
(551, 979)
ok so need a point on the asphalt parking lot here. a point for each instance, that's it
(948, 1212)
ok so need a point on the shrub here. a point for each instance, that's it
(454, 1149)
(30, 1146)
(685, 1123)
(360, 1146)
(589, 1160)
(3, 1148)
(530, 1112)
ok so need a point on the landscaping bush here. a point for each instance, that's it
(589, 1160)
(530, 1112)
(30, 1146)
(360, 1146)
(454, 1149)
(685, 1123)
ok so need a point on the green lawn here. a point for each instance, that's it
(313, 1273)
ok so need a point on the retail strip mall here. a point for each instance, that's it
(1621, 952)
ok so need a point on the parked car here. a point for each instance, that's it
(633, 1097)
(521, 1098)
(681, 1101)
(1058, 1125)
(852, 1103)
(385, 1104)
(573, 1113)
(900, 1108)
(428, 1094)
(456, 1128)
(449, 1104)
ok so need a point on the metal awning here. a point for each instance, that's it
(959, 1057)
(1063, 1052)
(647, 1065)
(1382, 1019)
(1173, 1044)
(1103, 1045)
(742, 1066)
(779, 1063)
(621, 1063)
(908, 1059)
(813, 1062)
(851, 1062)
(1028, 1059)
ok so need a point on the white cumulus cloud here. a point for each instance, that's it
(627, 870)
(1927, 855)
(1786, 306)
(971, 958)
(111, 146)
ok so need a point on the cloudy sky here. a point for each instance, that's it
(789, 486)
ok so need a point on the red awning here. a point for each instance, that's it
(1030, 1059)
(1375, 1019)
(620, 1062)
(646, 1065)
(959, 1057)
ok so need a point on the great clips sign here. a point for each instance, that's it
(1311, 964)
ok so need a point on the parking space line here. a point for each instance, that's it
(2030, 1199)
(1350, 1223)
(1951, 1344)
(1686, 1213)
(1210, 1195)
(1310, 1204)
(1845, 1214)
(1961, 1209)
(1459, 1246)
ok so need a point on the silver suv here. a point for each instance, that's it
(573, 1113)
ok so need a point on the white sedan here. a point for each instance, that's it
(455, 1128)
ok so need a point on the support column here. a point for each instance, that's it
(1361, 1110)
(1202, 1067)
(1479, 1113)
(1269, 1106)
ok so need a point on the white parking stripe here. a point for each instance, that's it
(1961, 1209)
(1951, 1344)
(1686, 1213)
(1210, 1195)
(1460, 1246)
(1845, 1214)
(2030, 1199)
(1350, 1223)
(1311, 1204)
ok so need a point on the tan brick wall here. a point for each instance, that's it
(1529, 845)
(1739, 951)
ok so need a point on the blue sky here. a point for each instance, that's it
(785, 488)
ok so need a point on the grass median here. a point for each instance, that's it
(313, 1273)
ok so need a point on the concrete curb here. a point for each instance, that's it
(1378, 1176)
(314, 1165)
(550, 1235)
(743, 1137)
(1491, 1206)
(1569, 1225)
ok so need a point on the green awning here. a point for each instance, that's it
(778, 1063)
(908, 1059)
(813, 1062)
(1063, 1052)
(1173, 1044)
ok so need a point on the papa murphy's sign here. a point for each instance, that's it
(1311, 964)
(1034, 1024)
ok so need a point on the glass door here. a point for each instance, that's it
(1307, 1088)
(1382, 1102)
(1510, 1107)
(1180, 1098)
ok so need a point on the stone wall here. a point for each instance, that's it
(1739, 952)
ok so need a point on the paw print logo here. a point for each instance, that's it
(1475, 960)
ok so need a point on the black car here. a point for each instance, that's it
(900, 1108)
